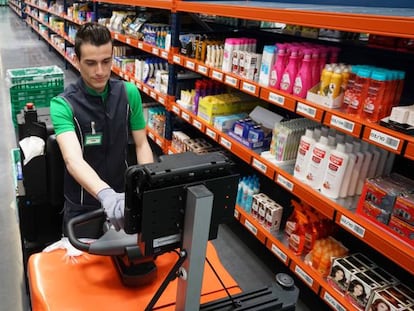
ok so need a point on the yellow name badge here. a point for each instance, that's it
(93, 140)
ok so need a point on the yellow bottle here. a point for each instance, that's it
(325, 79)
(335, 84)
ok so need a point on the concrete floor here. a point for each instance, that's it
(250, 263)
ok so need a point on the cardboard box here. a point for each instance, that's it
(385, 299)
(325, 101)
(341, 273)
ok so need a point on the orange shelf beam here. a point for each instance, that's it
(333, 17)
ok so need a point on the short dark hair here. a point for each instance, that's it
(93, 33)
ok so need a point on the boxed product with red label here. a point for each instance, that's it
(404, 208)
(402, 229)
(389, 298)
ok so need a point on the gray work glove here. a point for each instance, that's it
(113, 205)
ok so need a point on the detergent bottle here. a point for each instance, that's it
(291, 70)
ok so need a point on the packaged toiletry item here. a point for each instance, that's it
(268, 61)
(303, 80)
(318, 163)
(279, 66)
(335, 172)
(304, 154)
(289, 74)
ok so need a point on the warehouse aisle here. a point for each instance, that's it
(21, 48)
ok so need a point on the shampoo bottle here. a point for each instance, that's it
(364, 168)
(278, 67)
(335, 172)
(349, 148)
(317, 163)
(304, 153)
(357, 167)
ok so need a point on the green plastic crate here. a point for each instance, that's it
(36, 85)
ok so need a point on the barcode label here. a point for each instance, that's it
(384, 139)
(150, 135)
(352, 226)
(140, 45)
(155, 51)
(276, 98)
(284, 182)
(281, 255)
(306, 110)
(210, 133)
(164, 54)
(250, 227)
(185, 116)
(116, 36)
(224, 142)
(202, 69)
(176, 59)
(231, 81)
(236, 214)
(342, 123)
(248, 87)
(159, 142)
(189, 64)
(153, 95)
(333, 302)
(217, 75)
(197, 124)
(145, 90)
(175, 109)
(128, 41)
(259, 165)
(161, 100)
(303, 275)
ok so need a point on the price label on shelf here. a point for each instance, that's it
(128, 41)
(333, 302)
(150, 135)
(116, 36)
(217, 75)
(248, 87)
(177, 59)
(284, 182)
(250, 227)
(155, 51)
(304, 276)
(197, 124)
(185, 116)
(153, 94)
(342, 123)
(140, 45)
(384, 139)
(278, 252)
(236, 214)
(145, 90)
(159, 142)
(231, 81)
(306, 110)
(164, 54)
(189, 64)
(210, 133)
(352, 226)
(139, 85)
(202, 69)
(259, 165)
(121, 74)
(224, 142)
(276, 98)
(176, 110)
(161, 100)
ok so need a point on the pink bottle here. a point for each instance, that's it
(290, 72)
(278, 67)
(316, 70)
(303, 80)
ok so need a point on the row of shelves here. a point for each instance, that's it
(17, 7)
(373, 133)
(397, 251)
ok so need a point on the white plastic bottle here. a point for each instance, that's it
(374, 162)
(364, 168)
(357, 167)
(382, 161)
(317, 163)
(389, 163)
(335, 172)
(304, 153)
(349, 150)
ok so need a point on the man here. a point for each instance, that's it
(92, 119)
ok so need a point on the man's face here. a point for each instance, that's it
(95, 65)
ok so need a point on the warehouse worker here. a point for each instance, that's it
(92, 120)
